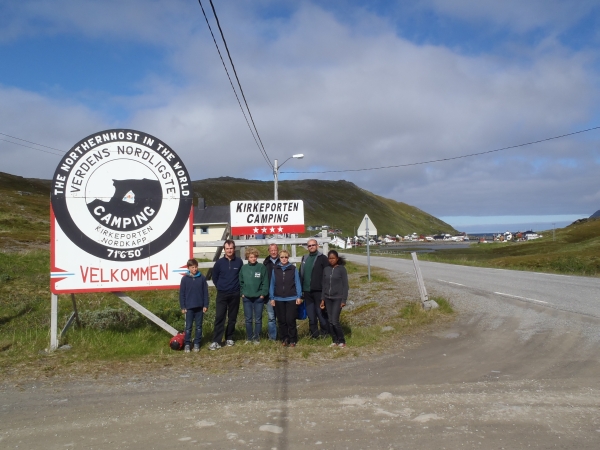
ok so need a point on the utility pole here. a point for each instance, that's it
(276, 168)
(275, 179)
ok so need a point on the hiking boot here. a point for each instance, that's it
(214, 346)
(230, 343)
(186, 349)
(196, 348)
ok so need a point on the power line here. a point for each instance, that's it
(29, 142)
(33, 148)
(353, 170)
(260, 146)
(453, 157)
(238, 80)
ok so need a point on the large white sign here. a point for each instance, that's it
(121, 215)
(267, 217)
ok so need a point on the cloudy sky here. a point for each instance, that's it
(352, 85)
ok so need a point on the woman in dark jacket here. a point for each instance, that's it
(335, 295)
(285, 292)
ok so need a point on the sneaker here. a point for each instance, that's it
(247, 342)
(196, 348)
(186, 349)
(230, 343)
(333, 345)
(342, 345)
(284, 343)
(256, 342)
(214, 346)
(293, 344)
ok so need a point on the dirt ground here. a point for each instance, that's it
(504, 374)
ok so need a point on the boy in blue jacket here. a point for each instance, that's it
(193, 299)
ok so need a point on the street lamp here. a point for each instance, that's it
(276, 171)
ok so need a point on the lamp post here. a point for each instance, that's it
(276, 171)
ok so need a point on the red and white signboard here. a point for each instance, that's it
(267, 217)
(120, 216)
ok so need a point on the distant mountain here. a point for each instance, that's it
(339, 204)
(596, 215)
(25, 207)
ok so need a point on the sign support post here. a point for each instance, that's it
(363, 228)
(368, 247)
(139, 308)
(53, 322)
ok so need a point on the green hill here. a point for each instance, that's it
(24, 212)
(339, 204)
(573, 250)
(25, 206)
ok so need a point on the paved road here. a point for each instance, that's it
(567, 293)
(508, 373)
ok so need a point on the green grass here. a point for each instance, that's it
(115, 337)
(574, 250)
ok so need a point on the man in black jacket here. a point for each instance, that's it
(271, 261)
(311, 276)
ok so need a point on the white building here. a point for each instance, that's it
(211, 223)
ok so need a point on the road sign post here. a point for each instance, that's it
(366, 228)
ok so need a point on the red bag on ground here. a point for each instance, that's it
(178, 341)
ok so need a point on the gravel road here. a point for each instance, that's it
(511, 372)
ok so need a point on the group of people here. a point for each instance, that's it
(275, 284)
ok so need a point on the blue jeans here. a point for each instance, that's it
(253, 307)
(193, 315)
(271, 324)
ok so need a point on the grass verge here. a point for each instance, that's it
(573, 250)
(114, 339)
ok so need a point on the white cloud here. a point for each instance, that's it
(521, 16)
(54, 123)
(347, 97)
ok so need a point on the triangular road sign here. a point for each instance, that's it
(362, 228)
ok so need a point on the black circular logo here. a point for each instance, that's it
(121, 195)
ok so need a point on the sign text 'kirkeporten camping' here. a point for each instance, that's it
(267, 217)
(121, 215)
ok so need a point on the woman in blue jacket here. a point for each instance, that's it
(286, 292)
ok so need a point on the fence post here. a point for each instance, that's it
(425, 302)
(420, 282)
